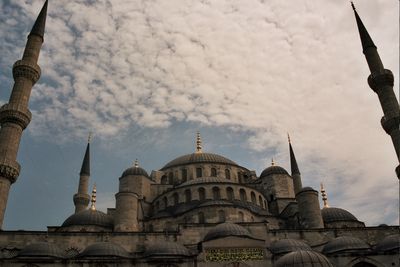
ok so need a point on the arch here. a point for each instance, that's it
(175, 198)
(227, 174)
(200, 217)
(221, 216)
(241, 216)
(164, 179)
(157, 206)
(188, 195)
(202, 193)
(229, 193)
(171, 178)
(71, 252)
(364, 262)
(216, 193)
(165, 202)
(184, 175)
(243, 195)
(253, 197)
(260, 201)
(199, 172)
(213, 172)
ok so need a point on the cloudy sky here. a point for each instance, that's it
(144, 76)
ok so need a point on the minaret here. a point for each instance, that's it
(294, 169)
(15, 115)
(381, 81)
(82, 198)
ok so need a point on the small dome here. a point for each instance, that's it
(135, 170)
(199, 158)
(274, 169)
(89, 217)
(41, 249)
(389, 243)
(226, 229)
(344, 243)
(166, 249)
(284, 246)
(303, 258)
(330, 214)
(107, 249)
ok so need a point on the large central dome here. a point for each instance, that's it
(199, 157)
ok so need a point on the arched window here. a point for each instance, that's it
(243, 196)
(260, 201)
(199, 172)
(201, 218)
(363, 264)
(241, 216)
(184, 175)
(252, 218)
(202, 194)
(216, 193)
(213, 172)
(188, 195)
(227, 174)
(265, 203)
(229, 193)
(157, 206)
(165, 202)
(175, 196)
(164, 179)
(170, 178)
(253, 198)
(221, 216)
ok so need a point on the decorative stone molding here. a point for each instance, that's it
(377, 80)
(82, 199)
(26, 69)
(391, 123)
(15, 114)
(9, 170)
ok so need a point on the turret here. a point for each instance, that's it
(381, 81)
(82, 198)
(15, 115)
(309, 210)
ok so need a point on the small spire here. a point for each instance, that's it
(40, 23)
(90, 136)
(272, 162)
(198, 143)
(352, 5)
(288, 137)
(293, 163)
(136, 163)
(324, 196)
(85, 169)
(366, 40)
(93, 206)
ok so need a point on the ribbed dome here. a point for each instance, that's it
(41, 249)
(166, 248)
(303, 258)
(344, 243)
(389, 243)
(288, 245)
(274, 169)
(135, 170)
(227, 229)
(199, 158)
(203, 180)
(330, 214)
(89, 217)
(107, 249)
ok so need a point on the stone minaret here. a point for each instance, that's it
(296, 176)
(15, 115)
(82, 198)
(381, 81)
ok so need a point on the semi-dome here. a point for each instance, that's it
(107, 249)
(199, 158)
(303, 258)
(166, 248)
(345, 243)
(274, 169)
(41, 249)
(389, 243)
(225, 230)
(135, 170)
(89, 217)
(330, 214)
(284, 246)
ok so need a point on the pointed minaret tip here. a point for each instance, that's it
(352, 5)
(85, 169)
(93, 206)
(366, 40)
(293, 162)
(40, 23)
(288, 137)
(198, 143)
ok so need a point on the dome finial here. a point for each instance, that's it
(93, 206)
(324, 196)
(90, 136)
(136, 163)
(288, 137)
(198, 143)
(272, 162)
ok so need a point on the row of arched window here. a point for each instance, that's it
(170, 179)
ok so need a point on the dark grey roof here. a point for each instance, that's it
(227, 229)
(275, 169)
(331, 214)
(345, 243)
(135, 171)
(303, 258)
(288, 245)
(389, 243)
(40, 23)
(203, 180)
(165, 248)
(85, 169)
(199, 158)
(41, 249)
(104, 249)
(89, 217)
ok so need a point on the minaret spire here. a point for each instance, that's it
(324, 196)
(381, 81)
(85, 169)
(15, 115)
(296, 176)
(198, 143)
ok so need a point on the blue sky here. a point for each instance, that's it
(144, 76)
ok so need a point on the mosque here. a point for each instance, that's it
(200, 209)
